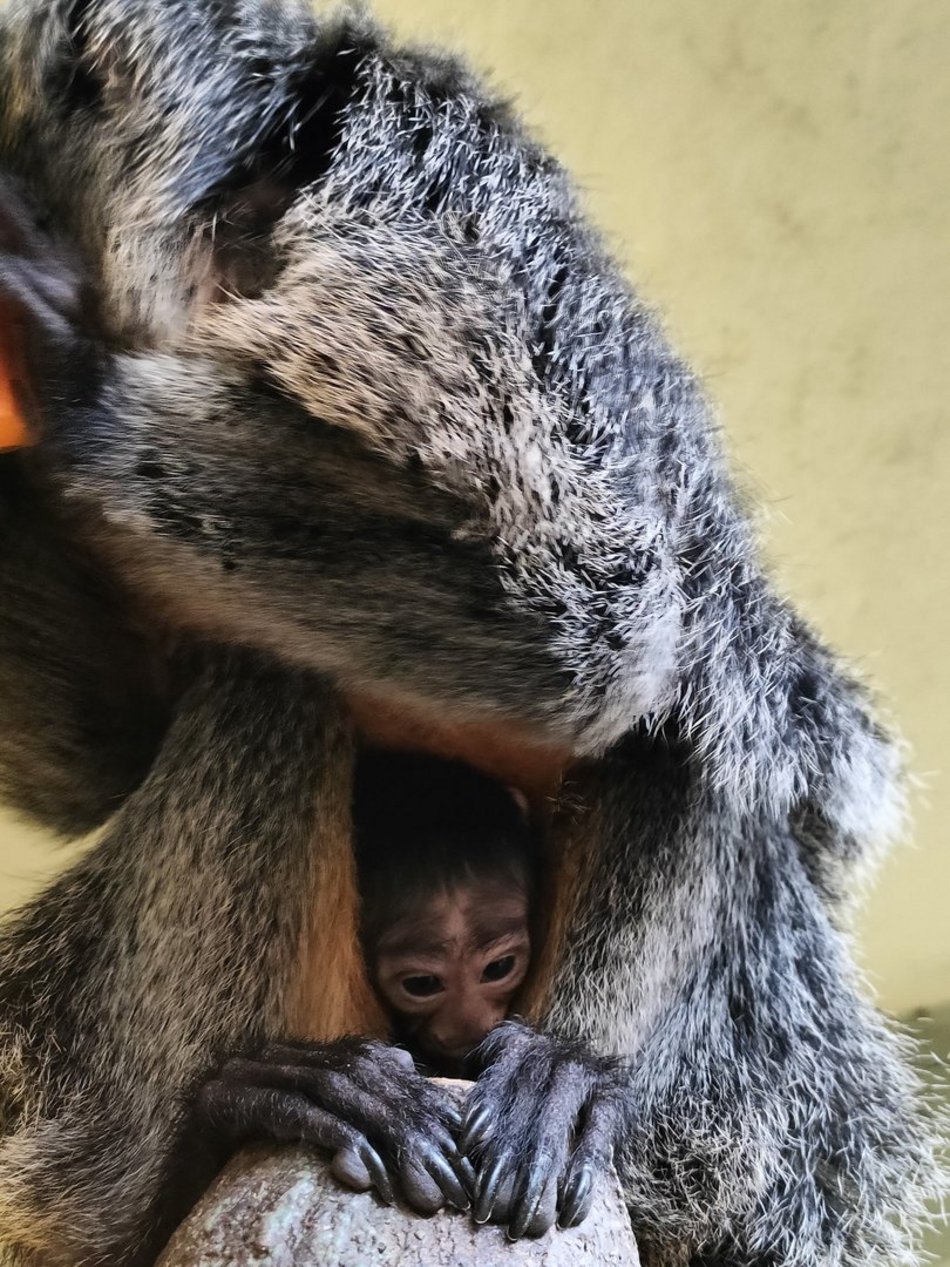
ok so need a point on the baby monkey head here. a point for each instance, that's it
(448, 871)
(447, 970)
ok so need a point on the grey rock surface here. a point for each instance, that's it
(281, 1206)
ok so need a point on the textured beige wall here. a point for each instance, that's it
(776, 177)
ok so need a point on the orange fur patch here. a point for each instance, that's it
(334, 996)
(14, 433)
(498, 746)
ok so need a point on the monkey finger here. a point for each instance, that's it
(591, 1155)
(534, 1216)
(504, 1197)
(446, 1177)
(576, 1197)
(524, 1210)
(441, 1144)
(371, 1159)
(546, 1213)
(443, 1116)
(489, 1188)
(452, 1114)
(476, 1128)
(421, 1191)
(440, 1134)
(348, 1168)
(467, 1174)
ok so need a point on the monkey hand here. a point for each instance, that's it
(387, 1126)
(540, 1124)
(46, 313)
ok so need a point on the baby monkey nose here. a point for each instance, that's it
(461, 1034)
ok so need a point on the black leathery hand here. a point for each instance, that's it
(541, 1126)
(265, 1112)
(531, 1151)
(383, 1122)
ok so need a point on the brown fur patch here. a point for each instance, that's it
(333, 996)
(501, 747)
(571, 859)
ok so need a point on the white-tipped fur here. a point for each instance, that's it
(439, 448)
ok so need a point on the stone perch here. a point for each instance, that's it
(281, 1207)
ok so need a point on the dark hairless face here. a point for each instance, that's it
(449, 967)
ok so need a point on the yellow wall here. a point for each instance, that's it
(777, 178)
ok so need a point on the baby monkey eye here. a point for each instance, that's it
(498, 969)
(422, 987)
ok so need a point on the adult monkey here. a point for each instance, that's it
(482, 494)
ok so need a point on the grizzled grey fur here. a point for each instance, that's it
(430, 441)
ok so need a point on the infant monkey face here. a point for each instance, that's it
(449, 969)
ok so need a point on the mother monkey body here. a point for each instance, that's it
(372, 437)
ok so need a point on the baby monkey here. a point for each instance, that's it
(447, 871)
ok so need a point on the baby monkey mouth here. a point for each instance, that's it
(448, 1064)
